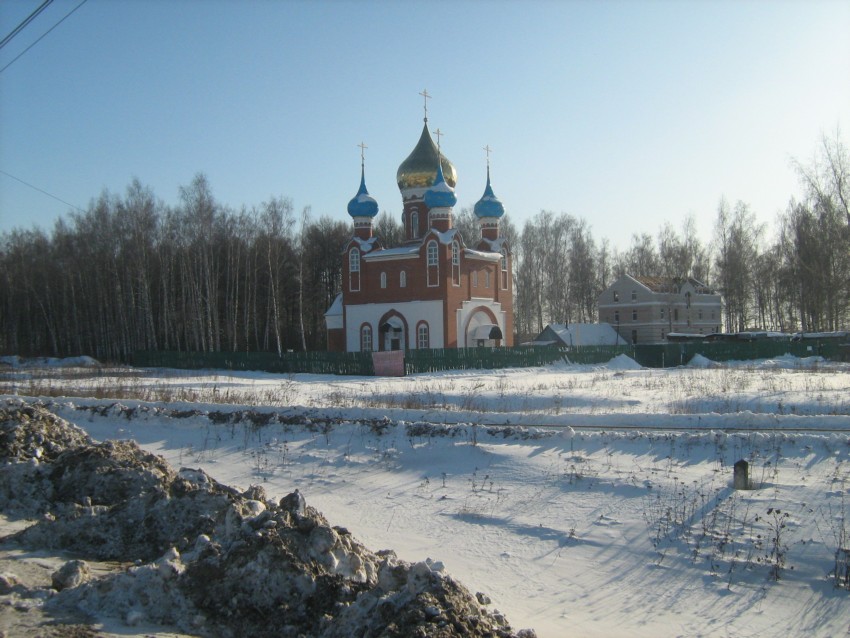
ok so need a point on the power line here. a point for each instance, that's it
(28, 19)
(18, 179)
(67, 15)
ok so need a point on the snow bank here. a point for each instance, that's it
(208, 558)
(699, 361)
(623, 362)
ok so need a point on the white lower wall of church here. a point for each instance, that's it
(469, 310)
(412, 311)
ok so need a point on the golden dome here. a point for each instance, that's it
(420, 168)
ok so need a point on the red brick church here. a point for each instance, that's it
(435, 290)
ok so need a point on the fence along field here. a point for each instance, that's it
(419, 361)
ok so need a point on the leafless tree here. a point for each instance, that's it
(737, 239)
(389, 230)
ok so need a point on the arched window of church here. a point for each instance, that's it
(422, 337)
(487, 279)
(455, 263)
(366, 338)
(383, 280)
(402, 279)
(433, 264)
(414, 225)
(504, 269)
(354, 270)
(433, 253)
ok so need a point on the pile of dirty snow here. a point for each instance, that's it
(203, 557)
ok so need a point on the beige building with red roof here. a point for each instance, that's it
(649, 309)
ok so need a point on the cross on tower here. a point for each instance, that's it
(488, 150)
(363, 148)
(425, 95)
(439, 134)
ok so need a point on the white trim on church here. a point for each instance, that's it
(412, 312)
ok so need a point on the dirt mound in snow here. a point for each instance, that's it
(30, 438)
(31, 432)
(209, 560)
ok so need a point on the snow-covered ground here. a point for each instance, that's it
(617, 518)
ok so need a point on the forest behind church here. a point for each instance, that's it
(132, 273)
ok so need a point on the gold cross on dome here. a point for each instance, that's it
(425, 96)
(439, 134)
(363, 148)
(488, 150)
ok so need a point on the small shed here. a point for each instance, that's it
(579, 334)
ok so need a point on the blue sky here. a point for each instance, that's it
(627, 114)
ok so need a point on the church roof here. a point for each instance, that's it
(362, 204)
(393, 253)
(365, 245)
(440, 195)
(480, 254)
(495, 245)
(336, 307)
(446, 237)
(489, 205)
(419, 169)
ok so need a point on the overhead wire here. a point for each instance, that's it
(23, 24)
(40, 190)
(5, 40)
(67, 15)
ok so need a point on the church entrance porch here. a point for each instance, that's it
(393, 337)
(482, 329)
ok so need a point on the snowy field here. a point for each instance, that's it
(584, 500)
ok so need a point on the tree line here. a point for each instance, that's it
(796, 279)
(130, 273)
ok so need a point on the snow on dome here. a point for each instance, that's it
(489, 205)
(440, 195)
(362, 204)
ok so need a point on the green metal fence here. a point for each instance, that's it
(675, 354)
(666, 355)
(480, 358)
(357, 363)
(596, 354)
(417, 361)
